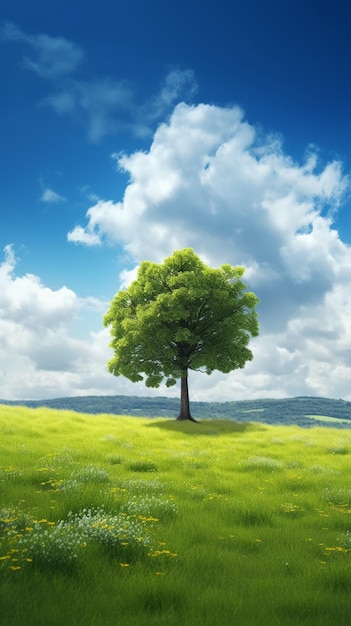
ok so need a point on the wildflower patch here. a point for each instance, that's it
(57, 545)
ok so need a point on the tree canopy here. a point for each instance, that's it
(181, 315)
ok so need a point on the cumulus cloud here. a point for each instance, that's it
(212, 182)
(24, 300)
(39, 357)
(51, 57)
(209, 180)
(82, 236)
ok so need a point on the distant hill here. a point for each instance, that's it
(302, 411)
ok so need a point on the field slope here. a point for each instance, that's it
(109, 520)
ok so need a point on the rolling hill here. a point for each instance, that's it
(303, 411)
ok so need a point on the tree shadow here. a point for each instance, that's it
(208, 427)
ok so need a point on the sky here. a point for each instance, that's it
(133, 129)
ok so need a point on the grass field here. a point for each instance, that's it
(120, 521)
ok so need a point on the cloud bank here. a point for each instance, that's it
(39, 358)
(40, 355)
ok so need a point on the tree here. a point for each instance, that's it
(178, 316)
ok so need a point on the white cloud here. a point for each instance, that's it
(205, 180)
(108, 106)
(51, 197)
(178, 85)
(209, 181)
(103, 106)
(39, 355)
(174, 85)
(52, 57)
(24, 300)
(79, 235)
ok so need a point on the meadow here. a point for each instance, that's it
(122, 521)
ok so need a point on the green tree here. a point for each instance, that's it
(178, 316)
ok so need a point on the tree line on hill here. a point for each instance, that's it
(270, 411)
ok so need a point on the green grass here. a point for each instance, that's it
(328, 418)
(118, 521)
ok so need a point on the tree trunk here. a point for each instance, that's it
(184, 413)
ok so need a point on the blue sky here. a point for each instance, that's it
(133, 129)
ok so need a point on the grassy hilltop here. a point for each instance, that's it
(116, 521)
